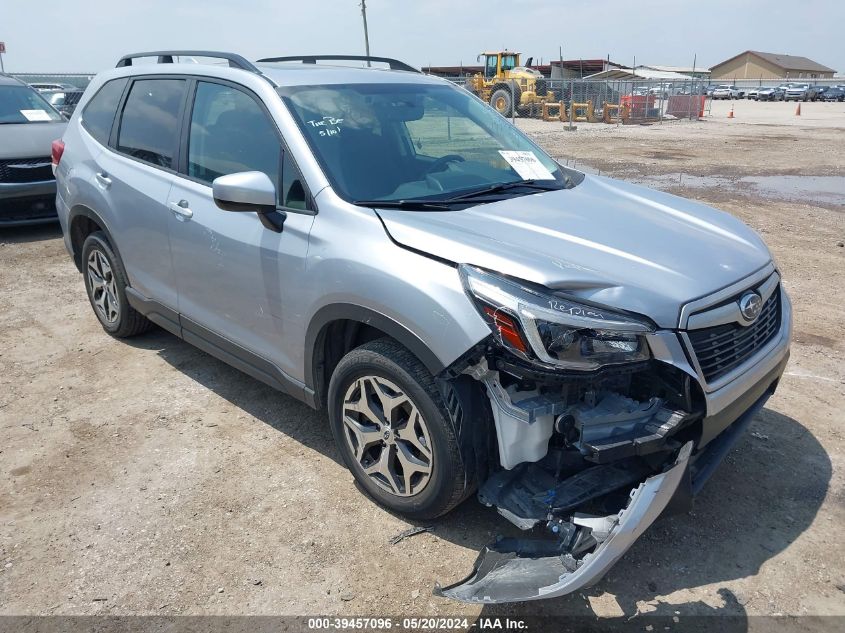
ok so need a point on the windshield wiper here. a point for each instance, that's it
(410, 203)
(446, 204)
(534, 185)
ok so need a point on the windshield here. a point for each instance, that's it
(21, 104)
(394, 142)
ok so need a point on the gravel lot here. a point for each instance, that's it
(145, 477)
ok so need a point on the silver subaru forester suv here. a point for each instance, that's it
(473, 316)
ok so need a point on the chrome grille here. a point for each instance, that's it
(722, 348)
(17, 170)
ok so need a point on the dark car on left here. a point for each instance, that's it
(28, 126)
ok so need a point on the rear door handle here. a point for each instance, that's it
(182, 210)
(102, 179)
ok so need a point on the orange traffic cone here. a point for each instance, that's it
(798, 110)
(731, 113)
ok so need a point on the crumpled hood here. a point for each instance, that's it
(612, 242)
(29, 140)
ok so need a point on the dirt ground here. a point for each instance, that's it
(145, 477)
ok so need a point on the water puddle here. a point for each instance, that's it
(827, 190)
(665, 181)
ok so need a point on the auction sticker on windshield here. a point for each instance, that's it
(527, 165)
(36, 115)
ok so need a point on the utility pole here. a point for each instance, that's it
(366, 35)
(560, 61)
(693, 90)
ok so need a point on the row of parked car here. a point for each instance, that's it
(61, 96)
(783, 92)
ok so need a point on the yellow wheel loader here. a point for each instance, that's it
(506, 85)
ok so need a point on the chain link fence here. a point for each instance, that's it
(76, 80)
(610, 101)
(619, 100)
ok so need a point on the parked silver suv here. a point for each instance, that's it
(472, 315)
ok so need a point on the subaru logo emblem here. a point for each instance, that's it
(750, 305)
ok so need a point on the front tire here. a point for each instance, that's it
(393, 432)
(502, 100)
(105, 283)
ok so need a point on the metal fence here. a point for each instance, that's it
(611, 101)
(78, 80)
(626, 100)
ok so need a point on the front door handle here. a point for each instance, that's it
(102, 179)
(182, 210)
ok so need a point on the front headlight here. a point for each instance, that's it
(553, 330)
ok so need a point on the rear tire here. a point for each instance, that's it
(394, 433)
(105, 283)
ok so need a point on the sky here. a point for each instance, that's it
(86, 36)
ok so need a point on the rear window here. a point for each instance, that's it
(21, 104)
(98, 116)
(150, 120)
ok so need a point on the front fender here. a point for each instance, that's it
(356, 272)
(368, 316)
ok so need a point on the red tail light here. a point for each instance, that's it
(58, 148)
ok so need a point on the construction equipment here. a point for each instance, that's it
(546, 110)
(507, 86)
(610, 112)
(583, 112)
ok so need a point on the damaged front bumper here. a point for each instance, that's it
(570, 444)
(515, 570)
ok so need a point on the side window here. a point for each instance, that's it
(148, 128)
(230, 133)
(98, 115)
(492, 64)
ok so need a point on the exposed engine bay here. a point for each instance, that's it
(585, 462)
(579, 429)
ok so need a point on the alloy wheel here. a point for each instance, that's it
(103, 289)
(387, 435)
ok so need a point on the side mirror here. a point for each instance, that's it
(249, 191)
(244, 191)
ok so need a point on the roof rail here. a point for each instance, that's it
(394, 64)
(166, 57)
